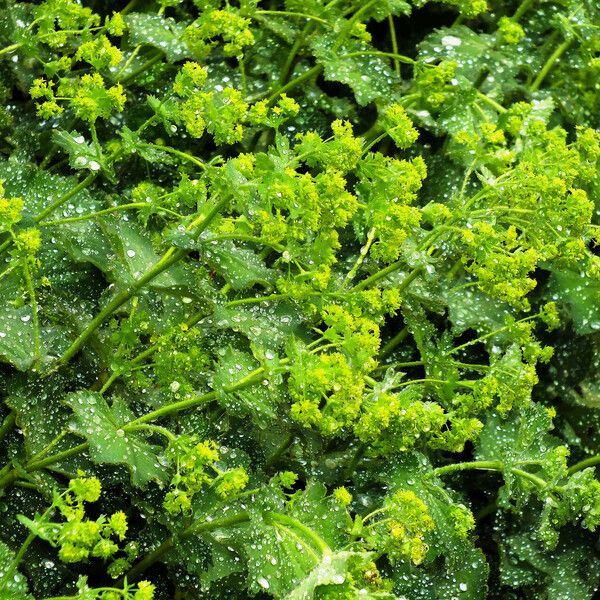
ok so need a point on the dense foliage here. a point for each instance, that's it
(300, 299)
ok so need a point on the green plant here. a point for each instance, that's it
(300, 299)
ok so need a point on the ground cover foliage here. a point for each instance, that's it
(300, 299)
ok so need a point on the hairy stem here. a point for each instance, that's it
(488, 465)
(592, 461)
(552, 60)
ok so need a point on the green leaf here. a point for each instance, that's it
(473, 53)
(465, 568)
(334, 572)
(39, 413)
(298, 541)
(15, 588)
(17, 345)
(259, 401)
(163, 33)
(472, 309)
(123, 251)
(240, 267)
(278, 558)
(39, 189)
(370, 77)
(82, 154)
(571, 571)
(269, 326)
(522, 436)
(581, 294)
(103, 427)
(133, 144)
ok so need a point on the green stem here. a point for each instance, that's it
(399, 365)
(244, 238)
(171, 257)
(95, 141)
(384, 273)
(495, 105)
(250, 379)
(16, 561)
(8, 476)
(592, 461)
(34, 309)
(19, 556)
(100, 213)
(179, 153)
(552, 60)
(10, 49)
(279, 451)
(465, 383)
(55, 458)
(295, 82)
(523, 8)
(351, 467)
(394, 55)
(130, 6)
(176, 407)
(481, 338)
(287, 13)
(197, 528)
(393, 343)
(488, 509)
(488, 465)
(287, 67)
(7, 424)
(158, 56)
(394, 39)
(347, 29)
(60, 201)
(128, 61)
(257, 300)
(361, 256)
(483, 465)
(309, 534)
(152, 429)
(144, 355)
(49, 446)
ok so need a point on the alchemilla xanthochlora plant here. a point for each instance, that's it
(300, 299)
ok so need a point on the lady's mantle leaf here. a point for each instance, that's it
(16, 586)
(259, 402)
(240, 267)
(350, 65)
(162, 33)
(582, 295)
(103, 426)
(333, 571)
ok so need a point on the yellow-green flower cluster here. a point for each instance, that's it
(99, 53)
(54, 18)
(433, 83)
(326, 392)
(223, 28)
(388, 187)
(510, 31)
(392, 423)
(79, 538)
(398, 125)
(195, 469)
(340, 154)
(10, 210)
(88, 96)
(405, 526)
